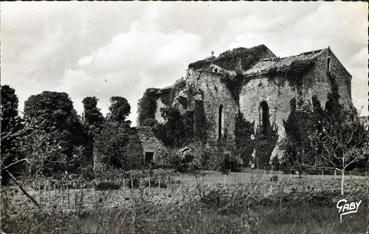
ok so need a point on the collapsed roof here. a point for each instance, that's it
(258, 60)
(230, 59)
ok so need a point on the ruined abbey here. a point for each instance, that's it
(254, 82)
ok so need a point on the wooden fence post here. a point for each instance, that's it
(81, 199)
(75, 200)
(48, 191)
(68, 194)
(168, 182)
(39, 192)
(131, 180)
(149, 182)
(62, 195)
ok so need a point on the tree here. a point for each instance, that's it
(111, 143)
(119, 109)
(93, 121)
(332, 138)
(52, 114)
(11, 129)
(341, 143)
(92, 115)
(43, 150)
(9, 104)
(117, 145)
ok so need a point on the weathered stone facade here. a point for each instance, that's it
(255, 81)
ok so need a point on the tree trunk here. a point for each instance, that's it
(342, 181)
(22, 189)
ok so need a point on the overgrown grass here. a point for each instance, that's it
(255, 206)
(191, 219)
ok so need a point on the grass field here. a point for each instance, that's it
(206, 203)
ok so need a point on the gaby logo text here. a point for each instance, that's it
(345, 208)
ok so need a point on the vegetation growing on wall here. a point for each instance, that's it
(177, 130)
(178, 86)
(264, 145)
(244, 143)
(293, 72)
(234, 85)
(248, 56)
(165, 96)
(200, 123)
(147, 105)
(299, 125)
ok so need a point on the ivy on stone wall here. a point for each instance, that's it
(177, 130)
(178, 86)
(244, 143)
(264, 145)
(147, 105)
(234, 85)
(299, 125)
(165, 98)
(293, 72)
(200, 123)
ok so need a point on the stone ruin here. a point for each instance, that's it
(256, 83)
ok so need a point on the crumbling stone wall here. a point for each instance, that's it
(159, 105)
(278, 91)
(151, 144)
(214, 93)
(321, 76)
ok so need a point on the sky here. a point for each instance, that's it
(106, 49)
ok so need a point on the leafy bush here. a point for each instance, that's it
(107, 186)
(264, 145)
(179, 164)
(149, 122)
(133, 182)
(229, 164)
(88, 173)
(154, 182)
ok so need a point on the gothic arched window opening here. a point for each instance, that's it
(264, 117)
(220, 119)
